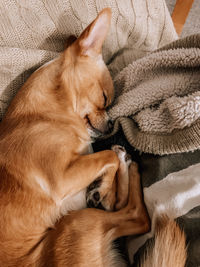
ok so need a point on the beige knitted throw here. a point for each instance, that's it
(158, 99)
(34, 31)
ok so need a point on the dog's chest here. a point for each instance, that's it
(76, 202)
(86, 148)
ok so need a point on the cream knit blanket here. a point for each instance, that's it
(33, 32)
(158, 99)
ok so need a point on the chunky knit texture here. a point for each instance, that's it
(158, 99)
(33, 32)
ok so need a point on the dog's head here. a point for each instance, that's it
(86, 78)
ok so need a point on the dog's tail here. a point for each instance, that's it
(169, 248)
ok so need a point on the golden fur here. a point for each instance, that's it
(45, 167)
(169, 248)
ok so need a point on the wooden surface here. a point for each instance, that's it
(180, 13)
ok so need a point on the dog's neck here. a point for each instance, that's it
(40, 98)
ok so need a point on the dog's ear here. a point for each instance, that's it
(91, 40)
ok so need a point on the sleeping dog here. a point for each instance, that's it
(45, 165)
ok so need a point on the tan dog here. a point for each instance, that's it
(44, 172)
(45, 167)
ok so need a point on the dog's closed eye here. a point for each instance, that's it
(105, 99)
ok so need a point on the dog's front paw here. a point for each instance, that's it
(99, 195)
(95, 200)
(122, 154)
(93, 197)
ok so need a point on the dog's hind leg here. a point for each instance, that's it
(84, 238)
(122, 179)
(134, 218)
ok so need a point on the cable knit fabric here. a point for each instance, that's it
(33, 32)
(158, 99)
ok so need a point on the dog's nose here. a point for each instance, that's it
(110, 125)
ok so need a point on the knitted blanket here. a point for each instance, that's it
(158, 99)
(33, 32)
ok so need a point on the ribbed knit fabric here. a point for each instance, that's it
(157, 99)
(33, 32)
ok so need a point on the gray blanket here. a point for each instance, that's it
(158, 99)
